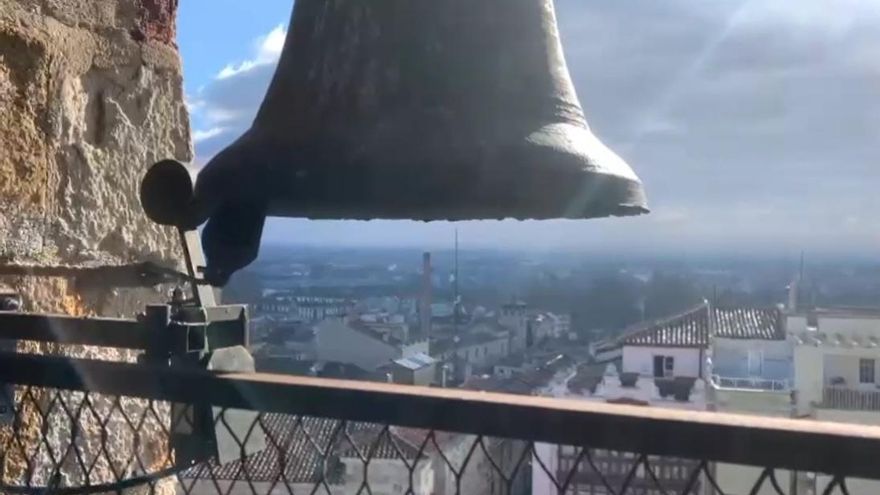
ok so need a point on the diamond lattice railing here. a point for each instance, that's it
(71, 442)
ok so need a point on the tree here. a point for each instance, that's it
(610, 303)
(667, 294)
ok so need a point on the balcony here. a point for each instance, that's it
(344, 437)
(848, 399)
(680, 393)
(751, 383)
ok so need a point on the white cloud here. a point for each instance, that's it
(752, 122)
(193, 105)
(836, 17)
(232, 70)
(268, 50)
(200, 135)
(225, 107)
(219, 114)
(272, 44)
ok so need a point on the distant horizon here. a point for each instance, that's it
(611, 236)
(644, 253)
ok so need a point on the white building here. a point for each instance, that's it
(821, 364)
(663, 364)
(314, 309)
(302, 308)
(836, 353)
(478, 348)
(752, 373)
(462, 355)
(752, 361)
(418, 369)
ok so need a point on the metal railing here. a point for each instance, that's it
(835, 397)
(85, 426)
(752, 383)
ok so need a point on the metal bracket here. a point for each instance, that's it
(213, 338)
(192, 333)
(195, 264)
(202, 432)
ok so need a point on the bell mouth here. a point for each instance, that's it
(573, 195)
(556, 171)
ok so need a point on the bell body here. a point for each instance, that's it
(425, 110)
(404, 109)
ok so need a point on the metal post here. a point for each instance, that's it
(9, 301)
(195, 262)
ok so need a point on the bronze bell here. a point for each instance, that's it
(406, 109)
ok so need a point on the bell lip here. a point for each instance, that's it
(580, 179)
(632, 202)
(629, 191)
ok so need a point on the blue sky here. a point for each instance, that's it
(753, 123)
(215, 33)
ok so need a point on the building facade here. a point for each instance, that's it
(515, 318)
(351, 341)
(417, 369)
(752, 370)
(836, 354)
(662, 364)
(302, 308)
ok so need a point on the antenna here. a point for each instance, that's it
(801, 273)
(455, 286)
(801, 283)
(794, 288)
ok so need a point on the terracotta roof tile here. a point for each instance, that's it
(693, 327)
(688, 329)
(299, 448)
(749, 323)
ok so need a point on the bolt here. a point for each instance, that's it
(10, 303)
(177, 296)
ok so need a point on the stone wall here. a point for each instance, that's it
(90, 95)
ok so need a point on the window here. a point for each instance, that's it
(664, 366)
(866, 371)
(756, 363)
